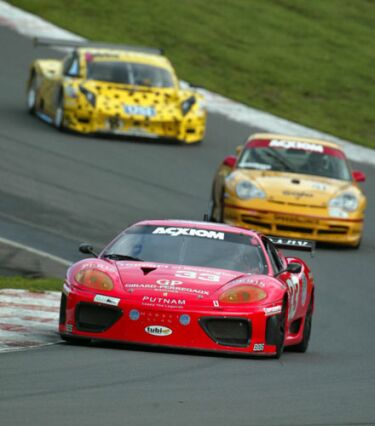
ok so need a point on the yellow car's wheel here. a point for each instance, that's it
(59, 114)
(31, 95)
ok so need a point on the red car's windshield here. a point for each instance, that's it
(190, 246)
(295, 157)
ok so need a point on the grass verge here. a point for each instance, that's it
(307, 61)
(32, 284)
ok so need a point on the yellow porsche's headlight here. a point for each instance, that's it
(345, 201)
(242, 294)
(94, 279)
(247, 190)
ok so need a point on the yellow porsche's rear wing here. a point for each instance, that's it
(292, 244)
(54, 42)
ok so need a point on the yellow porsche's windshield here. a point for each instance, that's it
(327, 163)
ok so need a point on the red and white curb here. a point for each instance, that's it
(28, 319)
(32, 25)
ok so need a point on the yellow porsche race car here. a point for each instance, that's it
(114, 89)
(291, 186)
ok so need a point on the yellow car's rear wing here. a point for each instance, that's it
(54, 42)
(292, 244)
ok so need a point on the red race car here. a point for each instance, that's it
(191, 285)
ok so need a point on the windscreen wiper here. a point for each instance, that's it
(115, 256)
(281, 161)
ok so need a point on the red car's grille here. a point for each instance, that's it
(95, 318)
(227, 331)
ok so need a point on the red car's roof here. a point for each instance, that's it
(198, 225)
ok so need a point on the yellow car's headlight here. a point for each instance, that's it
(94, 279)
(247, 190)
(242, 294)
(345, 201)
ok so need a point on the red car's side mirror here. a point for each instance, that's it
(358, 176)
(230, 161)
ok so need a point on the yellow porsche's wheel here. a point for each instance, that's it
(59, 114)
(31, 95)
(216, 210)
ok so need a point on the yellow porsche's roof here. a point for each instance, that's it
(293, 138)
(127, 56)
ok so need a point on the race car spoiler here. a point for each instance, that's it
(292, 244)
(55, 42)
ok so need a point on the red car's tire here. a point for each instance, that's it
(279, 330)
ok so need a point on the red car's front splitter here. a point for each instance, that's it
(211, 330)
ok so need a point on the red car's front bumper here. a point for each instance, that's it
(248, 332)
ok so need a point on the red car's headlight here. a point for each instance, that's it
(92, 278)
(242, 294)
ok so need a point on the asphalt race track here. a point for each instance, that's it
(60, 189)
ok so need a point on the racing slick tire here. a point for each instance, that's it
(357, 245)
(58, 120)
(216, 212)
(31, 95)
(279, 327)
(304, 343)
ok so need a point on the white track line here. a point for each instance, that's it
(32, 250)
(32, 25)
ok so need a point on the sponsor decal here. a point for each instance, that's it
(99, 266)
(304, 289)
(146, 111)
(158, 330)
(273, 310)
(162, 301)
(296, 219)
(298, 194)
(168, 283)
(289, 242)
(293, 290)
(319, 186)
(163, 288)
(69, 328)
(305, 146)
(258, 347)
(106, 300)
(125, 265)
(192, 232)
(198, 276)
(248, 280)
(216, 303)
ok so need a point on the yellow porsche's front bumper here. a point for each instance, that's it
(190, 129)
(289, 221)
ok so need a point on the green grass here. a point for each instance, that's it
(308, 61)
(32, 284)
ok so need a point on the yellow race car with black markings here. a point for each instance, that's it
(114, 89)
(291, 187)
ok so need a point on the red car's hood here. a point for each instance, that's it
(188, 281)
